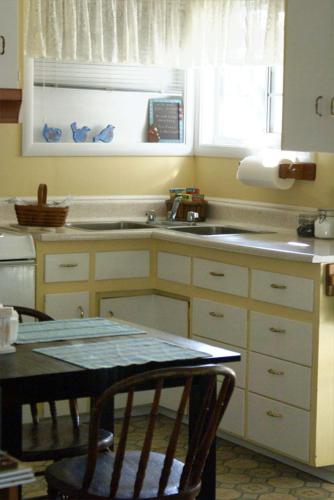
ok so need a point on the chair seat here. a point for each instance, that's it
(68, 474)
(49, 441)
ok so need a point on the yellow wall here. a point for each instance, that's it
(20, 176)
(217, 177)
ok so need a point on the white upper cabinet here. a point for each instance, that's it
(308, 103)
(8, 44)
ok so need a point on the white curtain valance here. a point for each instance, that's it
(172, 33)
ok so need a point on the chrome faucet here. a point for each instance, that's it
(174, 209)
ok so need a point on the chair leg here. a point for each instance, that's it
(53, 494)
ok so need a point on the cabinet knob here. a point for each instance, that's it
(111, 314)
(81, 312)
(274, 414)
(272, 371)
(216, 315)
(317, 112)
(332, 106)
(277, 330)
(214, 273)
(2, 45)
(278, 287)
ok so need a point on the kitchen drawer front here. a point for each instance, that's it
(219, 322)
(233, 420)
(66, 267)
(279, 427)
(174, 267)
(280, 337)
(220, 277)
(279, 379)
(238, 366)
(124, 264)
(67, 305)
(282, 289)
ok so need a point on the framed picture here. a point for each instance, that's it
(165, 120)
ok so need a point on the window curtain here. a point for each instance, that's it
(172, 33)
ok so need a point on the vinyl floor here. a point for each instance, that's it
(241, 473)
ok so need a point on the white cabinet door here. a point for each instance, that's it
(67, 305)
(124, 264)
(156, 311)
(308, 75)
(174, 267)
(8, 44)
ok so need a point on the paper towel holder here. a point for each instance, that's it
(300, 171)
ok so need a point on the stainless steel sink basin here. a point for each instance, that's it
(211, 230)
(107, 226)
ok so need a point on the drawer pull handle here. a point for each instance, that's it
(274, 414)
(277, 330)
(81, 312)
(3, 45)
(219, 275)
(278, 287)
(216, 315)
(275, 372)
(68, 265)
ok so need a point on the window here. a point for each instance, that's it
(97, 95)
(239, 109)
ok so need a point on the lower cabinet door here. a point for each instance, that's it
(279, 427)
(233, 420)
(67, 305)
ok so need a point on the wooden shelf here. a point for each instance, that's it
(10, 103)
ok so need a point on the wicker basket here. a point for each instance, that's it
(40, 214)
(189, 206)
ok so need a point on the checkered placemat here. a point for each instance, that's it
(67, 329)
(120, 352)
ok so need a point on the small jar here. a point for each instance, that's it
(324, 224)
(306, 225)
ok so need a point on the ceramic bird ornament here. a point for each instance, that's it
(106, 135)
(51, 134)
(79, 134)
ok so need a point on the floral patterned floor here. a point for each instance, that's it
(241, 473)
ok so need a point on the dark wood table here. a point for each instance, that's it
(27, 376)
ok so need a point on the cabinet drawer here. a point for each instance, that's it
(174, 267)
(282, 289)
(124, 264)
(280, 337)
(279, 427)
(238, 366)
(220, 277)
(217, 321)
(233, 420)
(66, 267)
(279, 379)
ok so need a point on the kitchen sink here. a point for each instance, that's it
(212, 230)
(107, 226)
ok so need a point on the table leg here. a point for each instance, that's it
(208, 490)
(10, 423)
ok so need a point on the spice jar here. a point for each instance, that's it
(324, 224)
(306, 225)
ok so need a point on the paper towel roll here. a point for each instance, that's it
(255, 171)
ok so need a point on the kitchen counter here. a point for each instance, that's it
(282, 244)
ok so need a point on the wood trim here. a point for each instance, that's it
(10, 103)
(300, 171)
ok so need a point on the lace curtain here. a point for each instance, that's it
(172, 33)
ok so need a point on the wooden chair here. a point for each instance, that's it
(146, 474)
(59, 436)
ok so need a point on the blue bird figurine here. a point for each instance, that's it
(79, 134)
(106, 135)
(51, 134)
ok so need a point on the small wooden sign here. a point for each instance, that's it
(165, 120)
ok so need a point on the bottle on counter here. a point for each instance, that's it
(306, 225)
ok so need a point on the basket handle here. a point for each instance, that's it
(42, 195)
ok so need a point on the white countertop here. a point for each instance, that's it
(282, 244)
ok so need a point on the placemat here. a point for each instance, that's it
(120, 352)
(67, 329)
